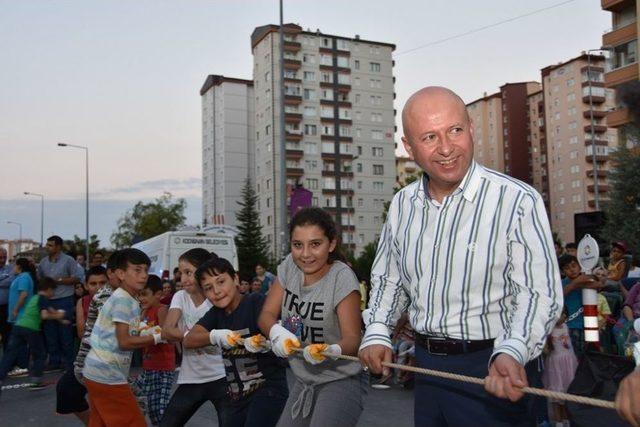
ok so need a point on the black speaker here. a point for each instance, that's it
(590, 223)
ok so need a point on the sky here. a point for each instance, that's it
(123, 79)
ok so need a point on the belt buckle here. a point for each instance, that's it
(435, 353)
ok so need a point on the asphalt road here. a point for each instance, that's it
(22, 407)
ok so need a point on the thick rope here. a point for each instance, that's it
(480, 381)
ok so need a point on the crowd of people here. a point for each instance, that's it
(465, 280)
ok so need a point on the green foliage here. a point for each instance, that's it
(362, 265)
(623, 208)
(251, 245)
(146, 220)
(77, 245)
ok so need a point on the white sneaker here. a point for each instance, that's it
(18, 372)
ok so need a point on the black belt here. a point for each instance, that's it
(443, 346)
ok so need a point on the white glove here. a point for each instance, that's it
(317, 353)
(283, 342)
(257, 344)
(224, 338)
(157, 338)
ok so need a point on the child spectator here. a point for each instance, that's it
(70, 393)
(114, 337)
(244, 287)
(560, 366)
(617, 264)
(96, 279)
(256, 382)
(21, 288)
(159, 361)
(26, 331)
(572, 285)
(571, 249)
(256, 285)
(167, 292)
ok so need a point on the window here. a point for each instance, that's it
(624, 54)
(310, 165)
(327, 130)
(359, 150)
(357, 98)
(376, 134)
(359, 185)
(326, 59)
(378, 186)
(360, 202)
(269, 220)
(310, 130)
(327, 94)
(356, 64)
(343, 44)
(309, 111)
(309, 94)
(309, 58)
(326, 42)
(312, 184)
(376, 117)
(378, 169)
(345, 130)
(314, 201)
(267, 130)
(266, 76)
(344, 79)
(374, 67)
(326, 77)
(309, 76)
(359, 167)
(376, 151)
(310, 147)
(356, 81)
(344, 113)
(326, 111)
(268, 202)
(343, 61)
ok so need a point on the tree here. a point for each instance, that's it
(77, 245)
(251, 245)
(623, 207)
(362, 265)
(146, 220)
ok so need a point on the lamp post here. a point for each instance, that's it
(28, 193)
(86, 154)
(596, 196)
(20, 235)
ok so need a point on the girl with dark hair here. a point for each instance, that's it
(21, 288)
(256, 381)
(317, 297)
(202, 376)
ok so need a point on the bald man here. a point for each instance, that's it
(467, 253)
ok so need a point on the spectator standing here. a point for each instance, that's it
(97, 259)
(6, 277)
(266, 278)
(571, 249)
(63, 269)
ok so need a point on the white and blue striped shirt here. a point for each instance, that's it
(480, 265)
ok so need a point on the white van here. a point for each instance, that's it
(165, 249)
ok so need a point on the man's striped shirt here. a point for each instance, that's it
(479, 265)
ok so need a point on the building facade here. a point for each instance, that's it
(339, 128)
(577, 137)
(227, 146)
(486, 115)
(622, 71)
(405, 168)
(538, 143)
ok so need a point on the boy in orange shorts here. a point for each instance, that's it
(114, 337)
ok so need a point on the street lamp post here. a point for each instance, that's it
(28, 193)
(20, 234)
(86, 153)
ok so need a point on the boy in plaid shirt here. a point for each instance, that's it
(159, 361)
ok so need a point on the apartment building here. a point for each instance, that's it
(405, 168)
(623, 69)
(538, 145)
(227, 146)
(486, 114)
(577, 138)
(339, 128)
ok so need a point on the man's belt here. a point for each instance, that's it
(444, 346)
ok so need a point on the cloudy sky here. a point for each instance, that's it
(123, 78)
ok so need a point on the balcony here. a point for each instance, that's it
(592, 83)
(602, 188)
(295, 172)
(291, 46)
(598, 142)
(292, 80)
(292, 99)
(599, 158)
(343, 209)
(596, 99)
(332, 156)
(333, 119)
(345, 104)
(333, 138)
(294, 136)
(292, 64)
(596, 129)
(294, 154)
(621, 75)
(601, 173)
(333, 173)
(618, 117)
(292, 117)
(620, 35)
(343, 191)
(615, 5)
(597, 114)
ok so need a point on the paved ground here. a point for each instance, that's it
(21, 407)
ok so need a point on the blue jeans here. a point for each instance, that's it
(262, 408)
(442, 402)
(59, 337)
(19, 339)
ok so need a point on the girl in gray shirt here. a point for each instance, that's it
(318, 299)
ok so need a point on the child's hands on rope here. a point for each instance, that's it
(257, 344)
(317, 353)
(151, 331)
(283, 342)
(224, 338)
